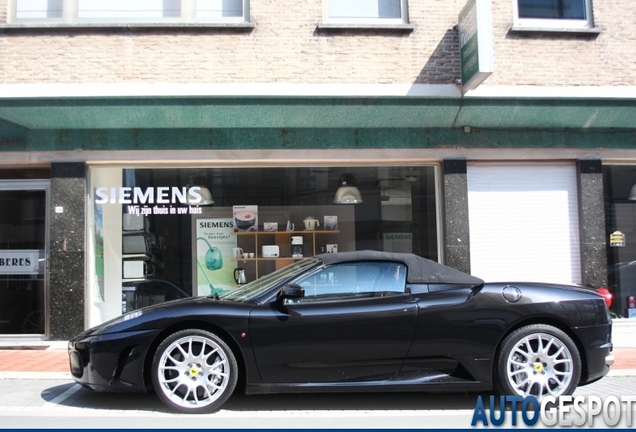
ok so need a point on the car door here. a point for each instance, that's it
(456, 334)
(355, 323)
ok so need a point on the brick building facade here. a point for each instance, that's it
(287, 89)
(285, 44)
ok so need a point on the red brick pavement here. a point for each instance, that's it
(625, 358)
(56, 360)
(33, 360)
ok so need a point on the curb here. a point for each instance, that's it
(7, 375)
(28, 345)
(624, 322)
(621, 373)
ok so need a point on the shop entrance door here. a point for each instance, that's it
(23, 257)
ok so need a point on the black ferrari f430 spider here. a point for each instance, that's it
(353, 321)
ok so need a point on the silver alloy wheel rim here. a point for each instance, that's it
(540, 365)
(194, 371)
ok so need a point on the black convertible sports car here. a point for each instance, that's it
(353, 321)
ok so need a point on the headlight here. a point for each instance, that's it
(103, 328)
(131, 315)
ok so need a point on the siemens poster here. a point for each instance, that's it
(214, 244)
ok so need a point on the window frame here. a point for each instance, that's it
(187, 16)
(404, 19)
(553, 23)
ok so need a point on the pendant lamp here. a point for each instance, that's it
(206, 196)
(347, 193)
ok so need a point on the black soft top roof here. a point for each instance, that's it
(420, 270)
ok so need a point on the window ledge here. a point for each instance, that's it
(583, 30)
(59, 25)
(361, 26)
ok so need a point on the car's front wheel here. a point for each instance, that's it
(538, 360)
(194, 371)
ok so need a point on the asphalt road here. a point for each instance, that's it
(45, 403)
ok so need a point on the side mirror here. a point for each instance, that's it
(291, 291)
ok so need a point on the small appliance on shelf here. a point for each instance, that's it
(271, 251)
(297, 246)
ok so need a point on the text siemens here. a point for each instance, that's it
(216, 225)
(151, 195)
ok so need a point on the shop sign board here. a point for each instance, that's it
(475, 43)
(23, 262)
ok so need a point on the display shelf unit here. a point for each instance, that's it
(253, 241)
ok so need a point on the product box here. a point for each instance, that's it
(331, 223)
(245, 218)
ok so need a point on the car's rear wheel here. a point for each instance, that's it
(194, 371)
(538, 360)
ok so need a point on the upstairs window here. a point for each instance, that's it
(365, 11)
(127, 11)
(553, 13)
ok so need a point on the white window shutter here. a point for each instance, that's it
(524, 223)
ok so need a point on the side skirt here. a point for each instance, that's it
(368, 386)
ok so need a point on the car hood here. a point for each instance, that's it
(156, 316)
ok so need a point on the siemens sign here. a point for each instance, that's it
(475, 43)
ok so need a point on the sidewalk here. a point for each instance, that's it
(45, 361)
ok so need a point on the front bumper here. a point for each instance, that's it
(111, 362)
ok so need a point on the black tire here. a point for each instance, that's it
(537, 360)
(194, 371)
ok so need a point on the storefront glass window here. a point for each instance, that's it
(23, 251)
(619, 182)
(165, 233)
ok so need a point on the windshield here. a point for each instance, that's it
(255, 288)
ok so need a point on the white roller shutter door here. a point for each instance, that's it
(524, 222)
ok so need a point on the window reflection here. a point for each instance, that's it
(143, 231)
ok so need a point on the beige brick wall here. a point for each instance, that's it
(286, 47)
(568, 59)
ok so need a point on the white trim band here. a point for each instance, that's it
(106, 90)
(11, 91)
